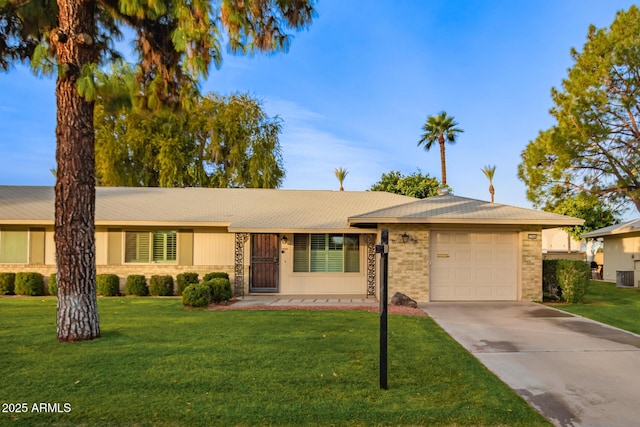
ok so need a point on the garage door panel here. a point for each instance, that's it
(441, 237)
(463, 275)
(484, 275)
(505, 292)
(483, 256)
(462, 256)
(442, 275)
(506, 239)
(462, 238)
(469, 266)
(505, 256)
(484, 238)
(504, 275)
(483, 292)
(462, 292)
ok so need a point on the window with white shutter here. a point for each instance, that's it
(328, 253)
(150, 247)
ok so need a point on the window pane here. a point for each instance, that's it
(14, 247)
(318, 252)
(300, 253)
(164, 246)
(136, 246)
(334, 254)
(335, 242)
(318, 242)
(352, 253)
(172, 246)
(328, 253)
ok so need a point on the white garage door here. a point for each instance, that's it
(473, 266)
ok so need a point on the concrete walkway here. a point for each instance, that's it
(306, 300)
(574, 371)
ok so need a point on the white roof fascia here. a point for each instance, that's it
(471, 221)
(35, 222)
(628, 227)
(178, 224)
(303, 230)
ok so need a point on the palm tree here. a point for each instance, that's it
(440, 128)
(341, 174)
(488, 172)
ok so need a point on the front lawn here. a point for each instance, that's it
(607, 304)
(157, 364)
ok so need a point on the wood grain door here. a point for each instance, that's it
(264, 263)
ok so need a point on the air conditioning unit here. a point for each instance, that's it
(624, 279)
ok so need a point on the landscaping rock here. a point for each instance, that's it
(401, 299)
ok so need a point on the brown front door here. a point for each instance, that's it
(264, 263)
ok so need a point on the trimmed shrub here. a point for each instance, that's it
(565, 280)
(215, 275)
(220, 289)
(161, 286)
(108, 285)
(198, 295)
(30, 284)
(186, 279)
(573, 278)
(550, 289)
(7, 283)
(52, 286)
(136, 285)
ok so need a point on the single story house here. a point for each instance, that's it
(621, 252)
(296, 242)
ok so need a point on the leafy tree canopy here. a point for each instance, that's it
(585, 206)
(214, 141)
(413, 185)
(176, 42)
(594, 146)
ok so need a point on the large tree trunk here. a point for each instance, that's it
(443, 162)
(75, 180)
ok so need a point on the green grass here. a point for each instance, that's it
(157, 364)
(607, 304)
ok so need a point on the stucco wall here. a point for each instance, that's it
(621, 253)
(409, 266)
(216, 254)
(320, 283)
(558, 240)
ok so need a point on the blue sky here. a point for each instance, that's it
(356, 88)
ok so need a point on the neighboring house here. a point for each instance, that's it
(557, 243)
(296, 242)
(621, 252)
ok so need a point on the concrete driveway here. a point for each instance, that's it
(574, 371)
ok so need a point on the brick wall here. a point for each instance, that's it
(125, 270)
(409, 262)
(531, 265)
(172, 270)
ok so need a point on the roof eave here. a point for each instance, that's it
(176, 224)
(547, 223)
(622, 231)
(32, 222)
(284, 230)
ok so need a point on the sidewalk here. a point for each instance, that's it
(306, 300)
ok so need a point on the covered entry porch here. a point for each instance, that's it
(290, 263)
